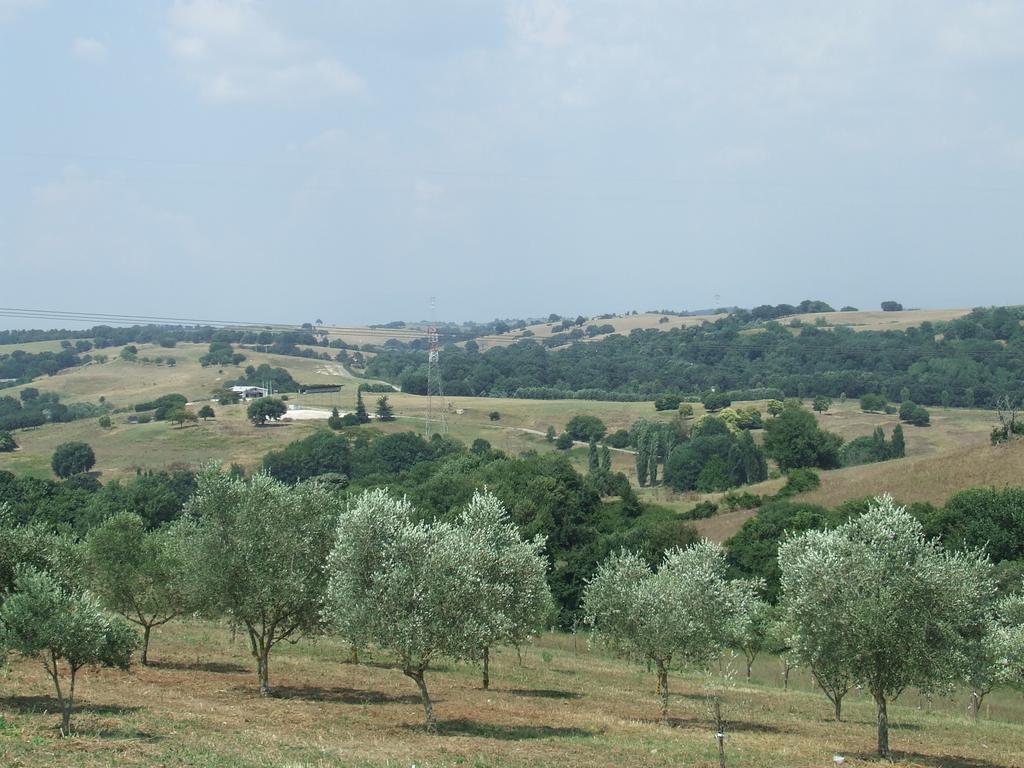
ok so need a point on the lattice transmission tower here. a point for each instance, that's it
(437, 420)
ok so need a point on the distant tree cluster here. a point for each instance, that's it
(266, 376)
(221, 353)
(869, 449)
(33, 408)
(715, 458)
(915, 414)
(967, 362)
(805, 307)
(794, 439)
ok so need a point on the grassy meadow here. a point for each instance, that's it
(951, 454)
(567, 704)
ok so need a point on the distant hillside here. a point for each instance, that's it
(967, 361)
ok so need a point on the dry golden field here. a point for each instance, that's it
(877, 320)
(623, 324)
(567, 705)
(951, 454)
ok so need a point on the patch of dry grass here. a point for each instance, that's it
(623, 324)
(567, 704)
(877, 320)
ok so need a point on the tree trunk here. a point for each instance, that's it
(976, 698)
(263, 670)
(144, 655)
(663, 689)
(355, 655)
(837, 704)
(883, 727)
(65, 720)
(785, 675)
(487, 671)
(54, 672)
(749, 665)
(67, 705)
(428, 709)
(716, 708)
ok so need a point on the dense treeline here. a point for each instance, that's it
(986, 519)
(24, 366)
(33, 408)
(968, 362)
(78, 504)
(543, 493)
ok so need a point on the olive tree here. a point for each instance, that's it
(142, 575)
(884, 605)
(405, 585)
(514, 599)
(756, 617)
(65, 629)
(259, 549)
(685, 612)
(38, 547)
(998, 654)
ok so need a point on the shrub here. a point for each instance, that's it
(618, 439)
(585, 428)
(668, 403)
(7, 443)
(799, 480)
(702, 511)
(915, 414)
(564, 441)
(745, 500)
(716, 401)
(872, 403)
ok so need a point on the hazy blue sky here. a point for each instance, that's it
(284, 161)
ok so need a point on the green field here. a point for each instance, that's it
(566, 704)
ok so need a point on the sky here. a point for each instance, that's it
(286, 161)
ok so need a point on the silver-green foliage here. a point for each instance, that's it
(514, 600)
(259, 549)
(36, 546)
(65, 629)
(424, 590)
(142, 575)
(879, 603)
(998, 657)
(684, 613)
(756, 618)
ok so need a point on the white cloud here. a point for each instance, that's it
(10, 8)
(540, 22)
(88, 49)
(233, 52)
(990, 29)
